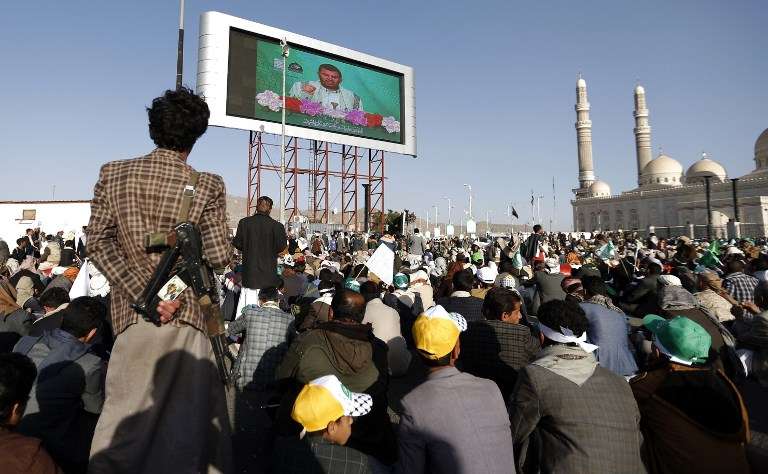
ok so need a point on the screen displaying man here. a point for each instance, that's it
(327, 90)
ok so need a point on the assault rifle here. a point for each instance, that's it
(183, 257)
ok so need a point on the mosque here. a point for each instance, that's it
(668, 200)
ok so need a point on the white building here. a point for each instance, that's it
(49, 216)
(668, 200)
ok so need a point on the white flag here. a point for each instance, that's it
(382, 263)
(82, 284)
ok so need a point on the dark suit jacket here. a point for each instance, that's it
(260, 238)
(467, 306)
(46, 323)
(496, 350)
(641, 299)
(548, 288)
(644, 291)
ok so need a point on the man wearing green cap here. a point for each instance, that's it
(692, 416)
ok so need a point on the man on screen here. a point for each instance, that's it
(328, 90)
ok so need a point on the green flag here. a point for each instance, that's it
(710, 257)
(517, 260)
(607, 251)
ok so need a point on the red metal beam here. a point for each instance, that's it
(318, 156)
(320, 190)
(291, 179)
(376, 180)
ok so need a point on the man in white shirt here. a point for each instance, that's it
(386, 326)
(328, 90)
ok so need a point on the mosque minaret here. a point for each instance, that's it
(642, 133)
(668, 199)
(584, 137)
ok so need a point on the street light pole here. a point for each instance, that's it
(437, 225)
(488, 221)
(180, 51)
(709, 207)
(449, 210)
(285, 53)
(469, 188)
(538, 208)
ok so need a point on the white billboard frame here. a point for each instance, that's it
(212, 69)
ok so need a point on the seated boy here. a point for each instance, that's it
(21, 454)
(324, 408)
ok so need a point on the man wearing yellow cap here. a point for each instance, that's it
(454, 422)
(325, 409)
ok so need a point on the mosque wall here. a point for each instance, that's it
(675, 207)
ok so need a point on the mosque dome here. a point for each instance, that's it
(761, 150)
(705, 167)
(662, 171)
(761, 145)
(599, 189)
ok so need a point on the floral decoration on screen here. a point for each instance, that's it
(274, 102)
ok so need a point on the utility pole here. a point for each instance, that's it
(538, 207)
(469, 188)
(449, 210)
(437, 223)
(709, 207)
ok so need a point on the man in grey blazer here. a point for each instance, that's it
(583, 417)
(454, 422)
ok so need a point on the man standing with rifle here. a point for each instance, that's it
(165, 409)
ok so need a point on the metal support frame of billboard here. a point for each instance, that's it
(376, 181)
(320, 181)
(349, 185)
(320, 171)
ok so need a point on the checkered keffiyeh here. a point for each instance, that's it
(361, 404)
(135, 197)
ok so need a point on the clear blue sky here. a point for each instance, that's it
(494, 89)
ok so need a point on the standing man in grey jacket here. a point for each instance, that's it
(454, 422)
(416, 247)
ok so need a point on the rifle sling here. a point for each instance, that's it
(206, 304)
(188, 196)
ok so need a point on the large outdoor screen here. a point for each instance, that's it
(322, 91)
(331, 93)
